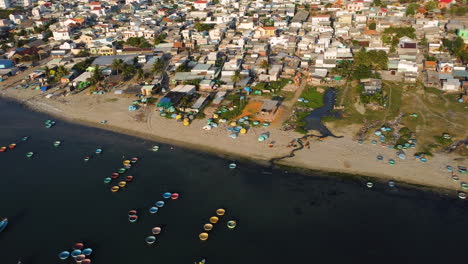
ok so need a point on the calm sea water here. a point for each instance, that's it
(55, 200)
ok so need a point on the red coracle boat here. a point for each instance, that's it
(78, 246)
(132, 212)
(12, 145)
(3, 149)
(129, 178)
(115, 175)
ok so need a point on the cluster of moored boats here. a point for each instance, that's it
(49, 123)
(133, 215)
(127, 164)
(14, 145)
(231, 224)
(78, 253)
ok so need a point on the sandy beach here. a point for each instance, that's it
(343, 155)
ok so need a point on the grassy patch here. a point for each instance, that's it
(112, 100)
(312, 98)
(237, 106)
(300, 123)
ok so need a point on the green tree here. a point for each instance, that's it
(411, 9)
(431, 5)
(128, 71)
(158, 66)
(265, 65)
(372, 26)
(182, 68)
(83, 53)
(117, 65)
(97, 75)
(140, 74)
(61, 71)
(203, 27)
(236, 77)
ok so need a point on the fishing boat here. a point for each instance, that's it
(391, 184)
(107, 180)
(153, 210)
(3, 149)
(220, 212)
(455, 178)
(12, 145)
(115, 175)
(231, 224)
(29, 154)
(369, 184)
(127, 166)
(24, 138)
(132, 212)
(202, 261)
(203, 236)
(3, 224)
(115, 188)
(78, 246)
(80, 258)
(122, 170)
(156, 230)
(155, 148)
(86, 159)
(214, 219)
(134, 160)
(98, 151)
(232, 166)
(75, 253)
(57, 143)
(64, 255)
(126, 162)
(133, 218)
(207, 227)
(462, 195)
(150, 240)
(174, 196)
(129, 178)
(159, 203)
(87, 251)
(464, 185)
(167, 195)
(86, 261)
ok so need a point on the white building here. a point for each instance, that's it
(4, 4)
(61, 34)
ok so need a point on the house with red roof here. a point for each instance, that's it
(445, 3)
(200, 4)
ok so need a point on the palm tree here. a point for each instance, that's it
(265, 65)
(47, 71)
(236, 77)
(128, 71)
(158, 66)
(117, 65)
(97, 75)
(140, 74)
(62, 71)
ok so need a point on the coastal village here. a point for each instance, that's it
(390, 74)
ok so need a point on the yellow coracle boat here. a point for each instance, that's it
(122, 184)
(203, 236)
(214, 219)
(115, 188)
(220, 211)
(126, 162)
(208, 227)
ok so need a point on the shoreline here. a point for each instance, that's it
(328, 164)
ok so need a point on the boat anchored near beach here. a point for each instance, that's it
(3, 224)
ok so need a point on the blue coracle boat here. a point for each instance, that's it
(3, 224)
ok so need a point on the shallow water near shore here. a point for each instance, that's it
(56, 199)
